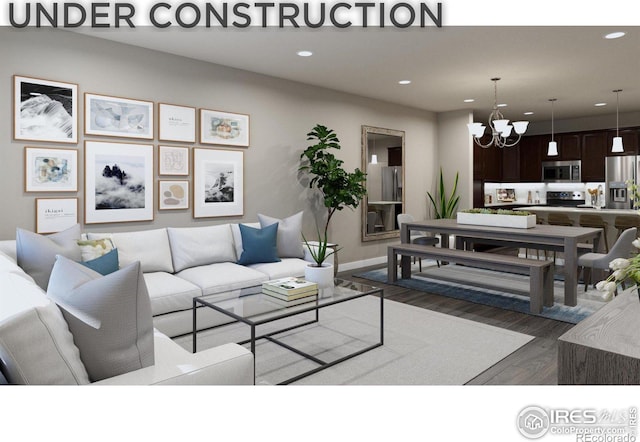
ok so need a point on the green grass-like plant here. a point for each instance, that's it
(445, 207)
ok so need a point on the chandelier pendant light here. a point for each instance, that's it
(499, 126)
(552, 150)
(617, 140)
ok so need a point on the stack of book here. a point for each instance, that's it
(290, 291)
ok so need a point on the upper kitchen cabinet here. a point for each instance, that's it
(531, 151)
(594, 151)
(568, 147)
(629, 141)
(487, 162)
(511, 164)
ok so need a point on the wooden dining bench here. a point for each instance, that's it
(540, 272)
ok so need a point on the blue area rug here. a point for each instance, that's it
(495, 298)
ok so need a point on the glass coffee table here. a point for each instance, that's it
(253, 308)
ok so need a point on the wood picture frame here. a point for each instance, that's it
(224, 128)
(50, 169)
(118, 182)
(218, 183)
(109, 116)
(55, 214)
(173, 160)
(176, 123)
(45, 110)
(173, 194)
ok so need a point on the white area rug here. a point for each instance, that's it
(421, 347)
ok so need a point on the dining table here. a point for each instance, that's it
(564, 239)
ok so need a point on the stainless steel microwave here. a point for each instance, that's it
(561, 171)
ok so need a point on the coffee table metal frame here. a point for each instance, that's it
(282, 312)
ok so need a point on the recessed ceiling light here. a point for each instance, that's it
(528, 113)
(600, 104)
(404, 82)
(614, 35)
(502, 105)
(469, 100)
(304, 53)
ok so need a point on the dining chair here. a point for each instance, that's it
(417, 237)
(621, 249)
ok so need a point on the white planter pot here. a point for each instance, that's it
(495, 220)
(323, 276)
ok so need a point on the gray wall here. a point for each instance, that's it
(282, 112)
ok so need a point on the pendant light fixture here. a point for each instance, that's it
(374, 157)
(552, 150)
(617, 140)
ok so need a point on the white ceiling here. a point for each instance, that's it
(446, 65)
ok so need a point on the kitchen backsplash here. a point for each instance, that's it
(503, 193)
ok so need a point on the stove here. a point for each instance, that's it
(565, 199)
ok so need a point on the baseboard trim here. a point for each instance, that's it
(354, 265)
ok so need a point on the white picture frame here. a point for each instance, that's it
(50, 170)
(55, 214)
(173, 160)
(176, 123)
(173, 194)
(224, 128)
(45, 110)
(118, 117)
(118, 194)
(218, 183)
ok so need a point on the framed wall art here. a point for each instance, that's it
(176, 123)
(224, 128)
(118, 182)
(173, 160)
(218, 183)
(45, 110)
(117, 117)
(50, 170)
(55, 214)
(173, 195)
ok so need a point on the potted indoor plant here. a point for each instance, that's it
(338, 187)
(444, 206)
(518, 219)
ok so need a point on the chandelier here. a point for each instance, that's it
(499, 126)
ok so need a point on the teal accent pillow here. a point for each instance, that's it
(106, 264)
(259, 245)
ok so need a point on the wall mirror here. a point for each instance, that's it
(382, 161)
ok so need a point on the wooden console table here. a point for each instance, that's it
(605, 347)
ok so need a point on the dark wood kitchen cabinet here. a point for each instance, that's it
(569, 147)
(594, 151)
(629, 141)
(531, 150)
(487, 162)
(511, 164)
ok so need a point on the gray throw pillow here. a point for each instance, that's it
(37, 253)
(289, 234)
(109, 316)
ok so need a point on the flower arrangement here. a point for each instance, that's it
(623, 270)
(634, 193)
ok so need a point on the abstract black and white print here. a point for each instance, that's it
(119, 182)
(219, 183)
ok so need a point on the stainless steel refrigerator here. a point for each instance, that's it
(619, 170)
(392, 183)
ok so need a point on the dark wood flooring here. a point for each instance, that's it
(533, 364)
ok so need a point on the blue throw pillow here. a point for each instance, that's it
(259, 245)
(107, 263)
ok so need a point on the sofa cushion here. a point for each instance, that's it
(168, 293)
(195, 246)
(259, 245)
(150, 247)
(9, 265)
(37, 348)
(287, 267)
(109, 316)
(222, 277)
(92, 249)
(37, 253)
(289, 234)
(105, 264)
(237, 237)
(8, 247)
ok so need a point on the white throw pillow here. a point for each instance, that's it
(37, 253)
(109, 316)
(150, 247)
(195, 246)
(36, 348)
(289, 234)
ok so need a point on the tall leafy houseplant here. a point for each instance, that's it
(445, 206)
(339, 188)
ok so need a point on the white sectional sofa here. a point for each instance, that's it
(177, 264)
